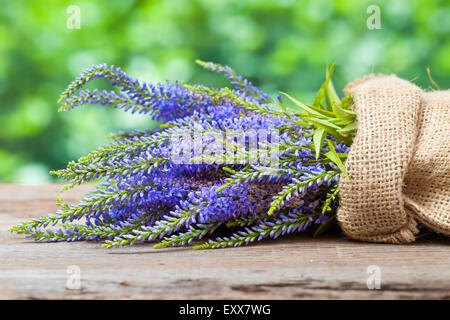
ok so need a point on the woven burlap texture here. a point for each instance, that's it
(398, 163)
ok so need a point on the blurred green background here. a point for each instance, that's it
(279, 44)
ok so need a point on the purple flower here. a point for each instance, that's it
(145, 195)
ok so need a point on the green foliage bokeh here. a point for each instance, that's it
(278, 44)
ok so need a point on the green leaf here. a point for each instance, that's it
(318, 138)
(301, 123)
(346, 101)
(342, 113)
(309, 109)
(334, 97)
(323, 122)
(341, 123)
(323, 89)
(327, 128)
(325, 113)
(350, 128)
(332, 155)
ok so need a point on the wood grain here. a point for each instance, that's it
(295, 267)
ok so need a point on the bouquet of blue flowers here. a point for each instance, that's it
(231, 165)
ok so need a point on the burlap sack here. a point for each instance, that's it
(399, 162)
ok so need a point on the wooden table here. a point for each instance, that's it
(295, 267)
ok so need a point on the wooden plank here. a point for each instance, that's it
(295, 267)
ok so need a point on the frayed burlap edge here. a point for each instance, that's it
(359, 81)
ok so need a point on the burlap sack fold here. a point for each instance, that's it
(398, 163)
